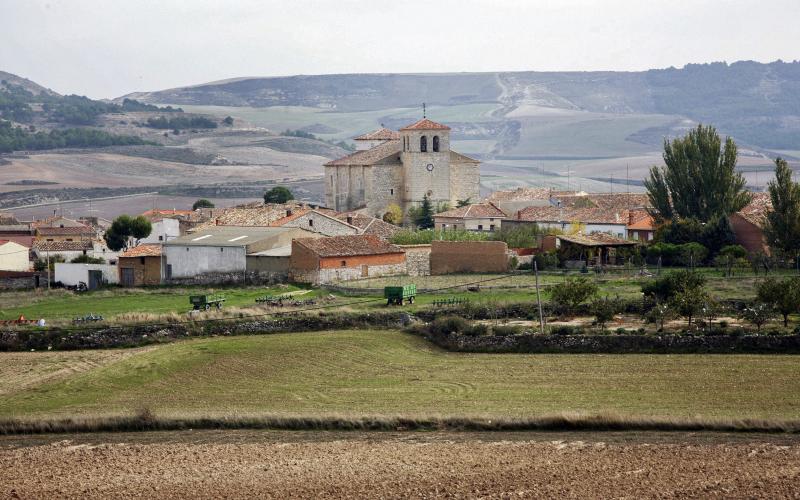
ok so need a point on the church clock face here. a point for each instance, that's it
(429, 167)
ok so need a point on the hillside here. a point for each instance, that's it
(758, 103)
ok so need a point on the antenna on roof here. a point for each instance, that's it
(423, 111)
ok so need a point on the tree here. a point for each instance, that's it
(228, 120)
(782, 225)
(668, 286)
(423, 216)
(572, 292)
(730, 256)
(394, 214)
(202, 203)
(689, 302)
(278, 194)
(463, 203)
(699, 180)
(783, 295)
(125, 227)
(758, 314)
(605, 309)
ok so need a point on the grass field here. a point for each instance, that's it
(389, 373)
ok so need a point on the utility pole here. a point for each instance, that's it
(538, 296)
(628, 178)
(48, 270)
(612, 183)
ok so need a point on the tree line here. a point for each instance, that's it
(21, 138)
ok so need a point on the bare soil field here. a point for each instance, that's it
(239, 464)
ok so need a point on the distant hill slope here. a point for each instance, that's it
(32, 87)
(757, 103)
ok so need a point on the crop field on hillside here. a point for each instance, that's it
(382, 373)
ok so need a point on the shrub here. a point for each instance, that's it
(88, 259)
(667, 286)
(572, 292)
(448, 325)
(505, 330)
(605, 309)
(566, 330)
(477, 330)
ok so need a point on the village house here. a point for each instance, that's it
(18, 233)
(594, 220)
(141, 265)
(748, 224)
(401, 168)
(475, 217)
(220, 254)
(641, 226)
(322, 221)
(14, 257)
(342, 258)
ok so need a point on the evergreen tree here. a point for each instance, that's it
(700, 178)
(125, 227)
(782, 226)
(424, 216)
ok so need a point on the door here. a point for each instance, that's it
(364, 271)
(126, 276)
(95, 279)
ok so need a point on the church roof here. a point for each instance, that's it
(382, 134)
(425, 124)
(369, 156)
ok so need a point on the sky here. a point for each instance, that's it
(108, 48)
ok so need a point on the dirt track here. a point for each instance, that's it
(314, 465)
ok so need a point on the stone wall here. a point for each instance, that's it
(384, 188)
(334, 275)
(468, 257)
(465, 180)
(232, 278)
(22, 280)
(318, 223)
(623, 344)
(418, 259)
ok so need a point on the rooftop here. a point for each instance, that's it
(145, 250)
(369, 225)
(382, 134)
(348, 246)
(596, 240)
(228, 236)
(62, 246)
(756, 211)
(583, 215)
(166, 213)
(258, 214)
(65, 231)
(425, 124)
(370, 156)
(477, 210)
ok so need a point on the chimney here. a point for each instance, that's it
(630, 218)
(350, 219)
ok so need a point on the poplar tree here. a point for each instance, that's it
(782, 226)
(699, 180)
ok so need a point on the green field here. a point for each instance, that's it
(60, 306)
(383, 373)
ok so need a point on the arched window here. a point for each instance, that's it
(436, 143)
(423, 144)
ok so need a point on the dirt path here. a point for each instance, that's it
(411, 465)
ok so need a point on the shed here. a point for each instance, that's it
(341, 258)
(592, 249)
(140, 265)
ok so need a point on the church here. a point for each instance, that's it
(401, 168)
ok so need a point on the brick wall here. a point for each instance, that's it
(750, 236)
(469, 257)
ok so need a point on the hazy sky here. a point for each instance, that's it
(106, 48)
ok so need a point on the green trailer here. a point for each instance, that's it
(399, 294)
(206, 302)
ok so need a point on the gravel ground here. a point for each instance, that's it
(238, 464)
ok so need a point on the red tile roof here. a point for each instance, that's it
(369, 225)
(348, 246)
(640, 220)
(382, 134)
(425, 124)
(370, 156)
(145, 250)
(62, 246)
(756, 211)
(66, 231)
(583, 215)
(476, 210)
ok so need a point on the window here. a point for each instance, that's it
(480, 227)
(344, 263)
(311, 222)
(141, 260)
(391, 191)
(436, 143)
(69, 239)
(221, 249)
(423, 144)
(161, 238)
(491, 227)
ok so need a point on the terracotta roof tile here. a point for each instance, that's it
(596, 240)
(425, 124)
(65, 231)
(382, 134)
(369, 225)
(641, 220)
(477, 210)
(583, 215)
(146, 250)
(348, 246)
(62, 246)
(256, 215)
(369, 156)
(756, 211)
